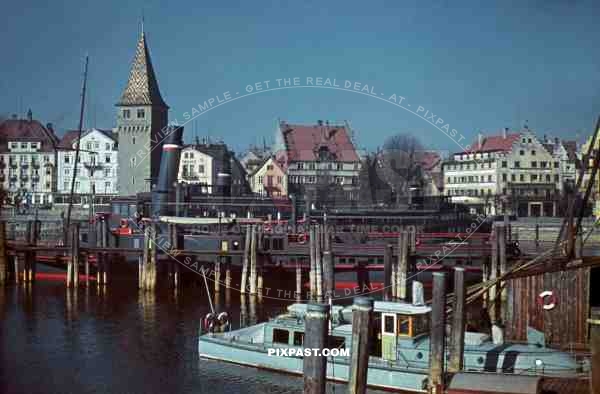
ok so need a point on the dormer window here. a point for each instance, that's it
(126, 114)
(141, 114)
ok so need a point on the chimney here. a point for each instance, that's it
(504, 132)
(29, 115)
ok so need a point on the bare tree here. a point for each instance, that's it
(401, 167)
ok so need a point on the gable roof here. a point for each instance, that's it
(70, 137)
(26, 130)
(142, 86)
(429, 160)
(303, 142)
(495, 143)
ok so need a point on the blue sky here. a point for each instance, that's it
(479, 67)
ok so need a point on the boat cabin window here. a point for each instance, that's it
(405, 325)
(298, 338)
(281, 336)
(388, 324)
(336, 342)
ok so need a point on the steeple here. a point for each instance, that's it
(142, 86)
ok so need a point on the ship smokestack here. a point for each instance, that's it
(167, 177)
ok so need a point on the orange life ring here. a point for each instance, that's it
(547, 300)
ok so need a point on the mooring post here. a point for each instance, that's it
(3, 254)
(218, 273)
(492, 275)
(106, 261)
(253, 273)
(319, 263)
(362, 319)
(145, 259)
(502, 265)
(86, 268)
(227, 272)
(244, 279)
(457, 338)
(387, 272)
(403, 253)
(313, 269)
(316, 332)
(298, 279)
(595, 350)
(328, 274)
(259, 265)
(151, 275)
(438, 334)
(75, 254)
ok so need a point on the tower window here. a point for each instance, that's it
(126, 114)
(140, 113)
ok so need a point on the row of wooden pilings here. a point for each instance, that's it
(317, 329)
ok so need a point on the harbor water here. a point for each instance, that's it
(121, 340)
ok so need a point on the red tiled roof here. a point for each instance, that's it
(495, 143)
(303, 142)
(26, 130)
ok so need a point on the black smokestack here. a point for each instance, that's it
(167, 177)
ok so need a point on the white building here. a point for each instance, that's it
(196, 167)
(98, 169)
(320, 161)
(27, 160)
(269, 179)
(510, 172)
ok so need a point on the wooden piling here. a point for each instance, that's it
(227, 272)
(3, 254)
(145, 258)
(298, 279)
(75, 253)
(503, 268)
(403, 258)
(457, 336)
(259, 265)
(151, 274)
(328, 274)
(595, 350)
(218, 274)
(315, 336)
(362, 320)
(387, 272)
(492, 275)
(253, 273)
(245, 260)
(16, 268)
(312, 254)
(438, 334)
(319, 263)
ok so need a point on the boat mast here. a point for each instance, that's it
(76, 162)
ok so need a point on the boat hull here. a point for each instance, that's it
(379, 376)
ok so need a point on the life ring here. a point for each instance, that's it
(223, 320)
(547, 300)
(209, 322)
(302, 238)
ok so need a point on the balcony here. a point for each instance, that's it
(24, 164)
(13, 164)
(24, 177)
(2, 164)
(13, 178)
(35, 178)
(35, 164)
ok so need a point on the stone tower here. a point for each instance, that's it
(142, 117)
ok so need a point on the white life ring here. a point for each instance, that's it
(547, 300)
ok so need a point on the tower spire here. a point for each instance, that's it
(142, 86)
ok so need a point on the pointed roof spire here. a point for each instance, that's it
(142, 86)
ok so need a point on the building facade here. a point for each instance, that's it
(508, 173)
(269, 179)
(142, 118)
(27, 160)
(98, 167)
(320, 161)
(196, 168)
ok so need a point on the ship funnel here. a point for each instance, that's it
(167, 177)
